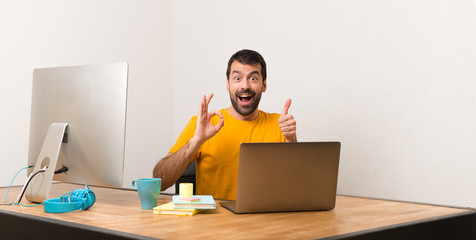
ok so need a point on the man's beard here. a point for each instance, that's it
(248, 109)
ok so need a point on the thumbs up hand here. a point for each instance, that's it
(287, 123)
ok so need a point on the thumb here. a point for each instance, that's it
(287, 104)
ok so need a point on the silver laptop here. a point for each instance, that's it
(280, 177)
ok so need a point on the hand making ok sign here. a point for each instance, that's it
(205, 129)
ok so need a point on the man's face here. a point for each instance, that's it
(245, 86)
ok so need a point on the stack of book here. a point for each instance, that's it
(186, 206)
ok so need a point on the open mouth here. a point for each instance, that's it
(245, 98)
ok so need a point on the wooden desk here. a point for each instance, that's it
(119, 210)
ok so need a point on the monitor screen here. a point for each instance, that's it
(91, 102)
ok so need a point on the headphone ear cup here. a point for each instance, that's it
(86, 195)
(90, 199)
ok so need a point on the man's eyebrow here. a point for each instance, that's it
(254, 72)
(239, 72)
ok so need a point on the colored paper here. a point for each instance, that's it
(190, 200)
(186, 190)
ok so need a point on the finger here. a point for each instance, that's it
(200, 107)
(209, 98)
(207, 101)
(288, 129)
(220, 124)
(202, 110)
(287, 104)
(222, 119)
(285, 118)
(290, 122)
(218, 113)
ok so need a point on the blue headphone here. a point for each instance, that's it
(79, 199)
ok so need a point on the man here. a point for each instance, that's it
(213, 139)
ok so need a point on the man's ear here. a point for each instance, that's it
(228, 85)
(264, 86)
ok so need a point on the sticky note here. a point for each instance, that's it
(191, 200)
(186, 190)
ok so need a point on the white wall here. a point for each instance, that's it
(394, 81)
(50, 33)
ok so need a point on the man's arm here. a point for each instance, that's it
(171, 167)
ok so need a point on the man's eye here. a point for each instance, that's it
(253, 78)
(237, 78)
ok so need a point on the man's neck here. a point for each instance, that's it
(236, 115)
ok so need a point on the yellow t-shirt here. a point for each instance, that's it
(217, 159)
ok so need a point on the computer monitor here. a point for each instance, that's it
(78, 120)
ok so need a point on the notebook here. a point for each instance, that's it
(280, 177)
(206, 202)
(168, 209)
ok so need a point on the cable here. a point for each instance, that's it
(12, 183)
(28, 182)
(63, 169)
(21, 204)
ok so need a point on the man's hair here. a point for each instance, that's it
(248, 57)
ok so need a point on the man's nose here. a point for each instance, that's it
(245, 84)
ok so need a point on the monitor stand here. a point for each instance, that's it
(39, 186)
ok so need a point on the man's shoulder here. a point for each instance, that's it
(268, 115)
(193, 119)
